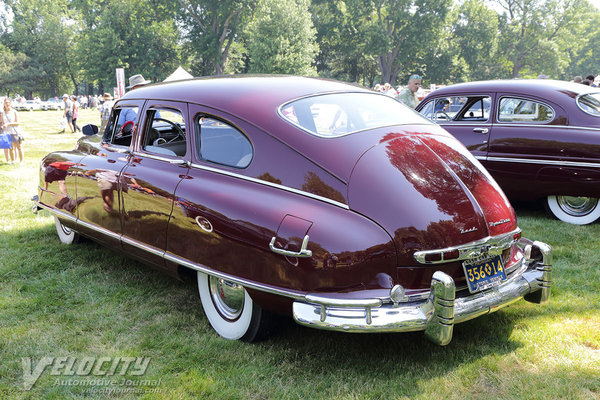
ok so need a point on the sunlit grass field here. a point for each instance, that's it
(88, 301)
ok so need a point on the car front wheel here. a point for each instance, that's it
(574, 210)
(65, 234)
(231, 311)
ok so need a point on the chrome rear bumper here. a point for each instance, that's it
(436, 315)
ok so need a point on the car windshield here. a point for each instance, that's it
(590, 103)
(333, 115)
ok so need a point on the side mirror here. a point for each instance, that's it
(90, 130)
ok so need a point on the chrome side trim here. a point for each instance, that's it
(58, 213)
(292, 294)
(492, 245)
(99, 229)
(543, 162)
(271, 184)
(139, 245)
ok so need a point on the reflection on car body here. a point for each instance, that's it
(311, 198)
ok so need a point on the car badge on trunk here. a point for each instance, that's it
(502, 221)
(473, 229)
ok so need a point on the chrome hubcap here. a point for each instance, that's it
(66, 230)
(577, 206)
(228, 297)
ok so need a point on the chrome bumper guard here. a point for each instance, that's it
(436, 315)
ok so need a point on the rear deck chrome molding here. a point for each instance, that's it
(490, 245)
(271, 184)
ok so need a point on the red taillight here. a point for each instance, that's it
(433, 257)
(451, 255)
(517, 236)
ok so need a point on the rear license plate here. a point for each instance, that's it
(484, 274)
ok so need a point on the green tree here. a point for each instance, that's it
(531, 33)
(44, 33)
(140, 36)
(281, 38)
(211, 27)
(475, 39)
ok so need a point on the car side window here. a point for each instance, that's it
(474, 108)
(165, 132)
(121, 126)
(221, 143)
(517, 110)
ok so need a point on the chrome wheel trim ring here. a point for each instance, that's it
(228, 297)
(577, 206)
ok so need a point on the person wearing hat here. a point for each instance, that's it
(136, 81)
(128, 113)
(408, 95)
(105, 110)
(68, 113)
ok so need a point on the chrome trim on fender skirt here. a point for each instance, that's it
(271, 184)
(438, 314)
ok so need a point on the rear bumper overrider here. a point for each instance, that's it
(438, 314)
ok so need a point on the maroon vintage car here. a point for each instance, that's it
(540, 139)
(298, 196)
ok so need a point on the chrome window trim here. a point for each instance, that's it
(157, 157)
(579, 105)
(426, 121)
(541, 162)
(271, 184)
(518, 122)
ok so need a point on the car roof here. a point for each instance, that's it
(235, 93)
(537, 87)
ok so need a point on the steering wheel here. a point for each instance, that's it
(443, 114)
(180, 132)
(127, 129)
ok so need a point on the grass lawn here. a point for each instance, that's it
(87, 301)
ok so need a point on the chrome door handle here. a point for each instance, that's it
(481, 130)
(302, 253)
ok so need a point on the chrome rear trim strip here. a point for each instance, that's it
(100, 229)
(271, 184)
(139, 245)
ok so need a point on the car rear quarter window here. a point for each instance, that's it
(590, 103)
(339, 114)
(221, 143)
(519, 110)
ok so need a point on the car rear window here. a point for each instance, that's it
(590, 103)
(333, 115)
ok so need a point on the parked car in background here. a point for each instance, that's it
(539, 139)
(53, 103)
(29, 105)
(297, 196)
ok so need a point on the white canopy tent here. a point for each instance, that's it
(178, 75)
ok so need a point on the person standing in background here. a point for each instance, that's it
(75, 113)
(10, 124)
(105, 110)
(408, 95)
(68, 113)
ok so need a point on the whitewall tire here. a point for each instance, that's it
(66, 235)
(230, 309)
(574, 210)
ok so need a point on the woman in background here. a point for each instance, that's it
(10, 124)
